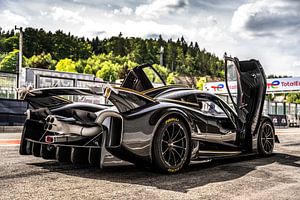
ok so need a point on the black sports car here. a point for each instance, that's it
(165, 127)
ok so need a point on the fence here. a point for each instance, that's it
(12, 112)
(8, 84)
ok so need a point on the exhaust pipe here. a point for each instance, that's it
(60, 127)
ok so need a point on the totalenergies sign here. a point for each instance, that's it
(283, 84)
(273, 86)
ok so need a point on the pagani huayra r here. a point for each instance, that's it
(164, 127)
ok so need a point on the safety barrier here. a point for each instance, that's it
(12, 112)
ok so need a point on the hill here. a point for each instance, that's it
(66, 52)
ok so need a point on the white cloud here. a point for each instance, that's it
(212, 20)
(267, 18)
(144, 28)
(61, 14)
(8, 19)
(123, 11)
(159, 8)
(271, 27)
(269, 31)
(296, 64)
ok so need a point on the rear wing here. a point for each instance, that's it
(51, 97)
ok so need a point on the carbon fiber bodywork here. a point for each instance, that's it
(78, 132)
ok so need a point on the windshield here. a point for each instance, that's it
(153, 77)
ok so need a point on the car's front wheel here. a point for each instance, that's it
(171, 146)
(266, 139)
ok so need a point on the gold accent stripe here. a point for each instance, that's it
(165, 86)
(107, 93)
(134, 92)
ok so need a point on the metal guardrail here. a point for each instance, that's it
(12, 112)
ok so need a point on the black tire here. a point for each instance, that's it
(266, 139)
(171, 146)
(24, 144)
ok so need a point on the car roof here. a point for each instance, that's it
(174, 93)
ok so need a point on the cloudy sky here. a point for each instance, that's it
(268, 30)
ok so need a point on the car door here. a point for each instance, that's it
(246, 85)
(219, 126)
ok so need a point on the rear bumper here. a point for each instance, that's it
(87, 150)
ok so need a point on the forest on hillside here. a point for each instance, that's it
(108, 58)
(111, 58)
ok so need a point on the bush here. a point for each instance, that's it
(10, 62)
(66, 65)
(171, 78)
(108, 71)
(163, 71)
(200, 83)
(43, 61)
(88, 70)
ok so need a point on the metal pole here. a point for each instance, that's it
(19, 70)
(161, 56)
(20, 55)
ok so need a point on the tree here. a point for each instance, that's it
(178, 56)
(163, 71)
(10, 62)
(108, 71)
(171, 78)
(200, 83)
(80, 65)
(171, 55)
(139, 53)
(66, 65)
(293, 98)
(88, 70)
(43, 61)
(9, 44)
(2, 56)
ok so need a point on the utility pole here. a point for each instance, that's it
(161, 55)
(19, 69)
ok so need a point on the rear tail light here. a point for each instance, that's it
(49, 139)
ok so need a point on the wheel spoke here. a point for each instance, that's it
(174, 158)
(173, 138)
(264, 144)
(169, 158)
(179, 147)
(165, 151)
(268, 132)
(179, 140)
(267, 146)
(270, 146)
(173, 130)
(177, 153)
(168, 134)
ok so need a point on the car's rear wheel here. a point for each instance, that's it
(171, 146)
(266, 139)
